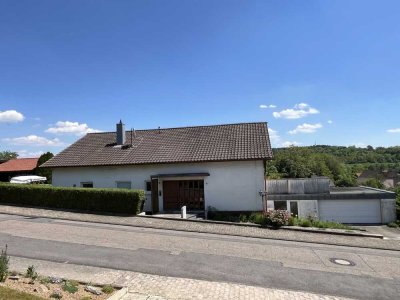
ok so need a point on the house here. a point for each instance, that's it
(389, 178)
(220, 166)
(315, 197)
(17, 167)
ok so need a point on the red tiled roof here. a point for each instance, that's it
(245, 141)
(19, 164)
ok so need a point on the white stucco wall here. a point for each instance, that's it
(231, 186)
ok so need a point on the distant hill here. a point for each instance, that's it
(360, 159)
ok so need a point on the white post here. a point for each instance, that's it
(183, 212)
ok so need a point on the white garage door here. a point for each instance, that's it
(350, 211)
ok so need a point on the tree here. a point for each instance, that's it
(303, 162)
(7, 155)
(42, 171)
(374, 183)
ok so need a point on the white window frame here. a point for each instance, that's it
(123, 181)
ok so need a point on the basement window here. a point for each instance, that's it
(124, 185)
(87, 184)
(281, 205)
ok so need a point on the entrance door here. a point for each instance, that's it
(178, 193)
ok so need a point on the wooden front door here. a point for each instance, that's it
(154, 196)
(178, 193)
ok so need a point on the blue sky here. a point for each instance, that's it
(325, 72)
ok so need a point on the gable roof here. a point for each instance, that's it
(245, 141)
(19, 165)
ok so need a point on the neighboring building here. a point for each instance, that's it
(17, 167)
(389, 178)
(316, 198)
(221, 166)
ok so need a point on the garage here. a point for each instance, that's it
(350, 211)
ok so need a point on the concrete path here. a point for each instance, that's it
(141, 286)
(387, 232)
(261, 263)
(191, 226)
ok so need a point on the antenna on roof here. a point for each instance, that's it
(159, 130)
(131, 136)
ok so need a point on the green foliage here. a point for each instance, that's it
(374, 183)
(6, 155)
(4, 264)
(121, 201)
(303, 162)
(393, 225)
(86, 298)
(44, 280)
(107, 289)
(31, 273)
(70, 286)
(311, 222)
(44, 171)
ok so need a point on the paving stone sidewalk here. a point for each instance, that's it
(151, 287)
(193, 226)
(140, 286)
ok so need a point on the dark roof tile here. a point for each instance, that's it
(245, 141)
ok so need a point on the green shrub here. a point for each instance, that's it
(393, 225)
(122, 201)
(305, 223)
(4, 263)
(311, 222)
(31, 273)
(70, 286)
(107, 289)
(86, 298)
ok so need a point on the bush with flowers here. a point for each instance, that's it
(277, 218)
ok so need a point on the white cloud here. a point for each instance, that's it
(264, 106)
(330, 122)
(274, 136)
(300, 110)
(290, 144)
(34, 140)
(68, 127)
(11, 116)
(306, 128)
(26, 153)
(277, 141)
(394, 130)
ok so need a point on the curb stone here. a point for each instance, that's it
(118, 295)
(293, 228)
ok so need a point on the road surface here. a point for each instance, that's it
(374, 274)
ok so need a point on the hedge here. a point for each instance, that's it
(120, 201)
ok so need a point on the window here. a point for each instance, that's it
(124, 185)
(281, 205)
(87, 184)
(294, 208)
(148, 186)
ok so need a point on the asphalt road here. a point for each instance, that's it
(259, 262)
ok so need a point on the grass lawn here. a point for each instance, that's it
(9, 294)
